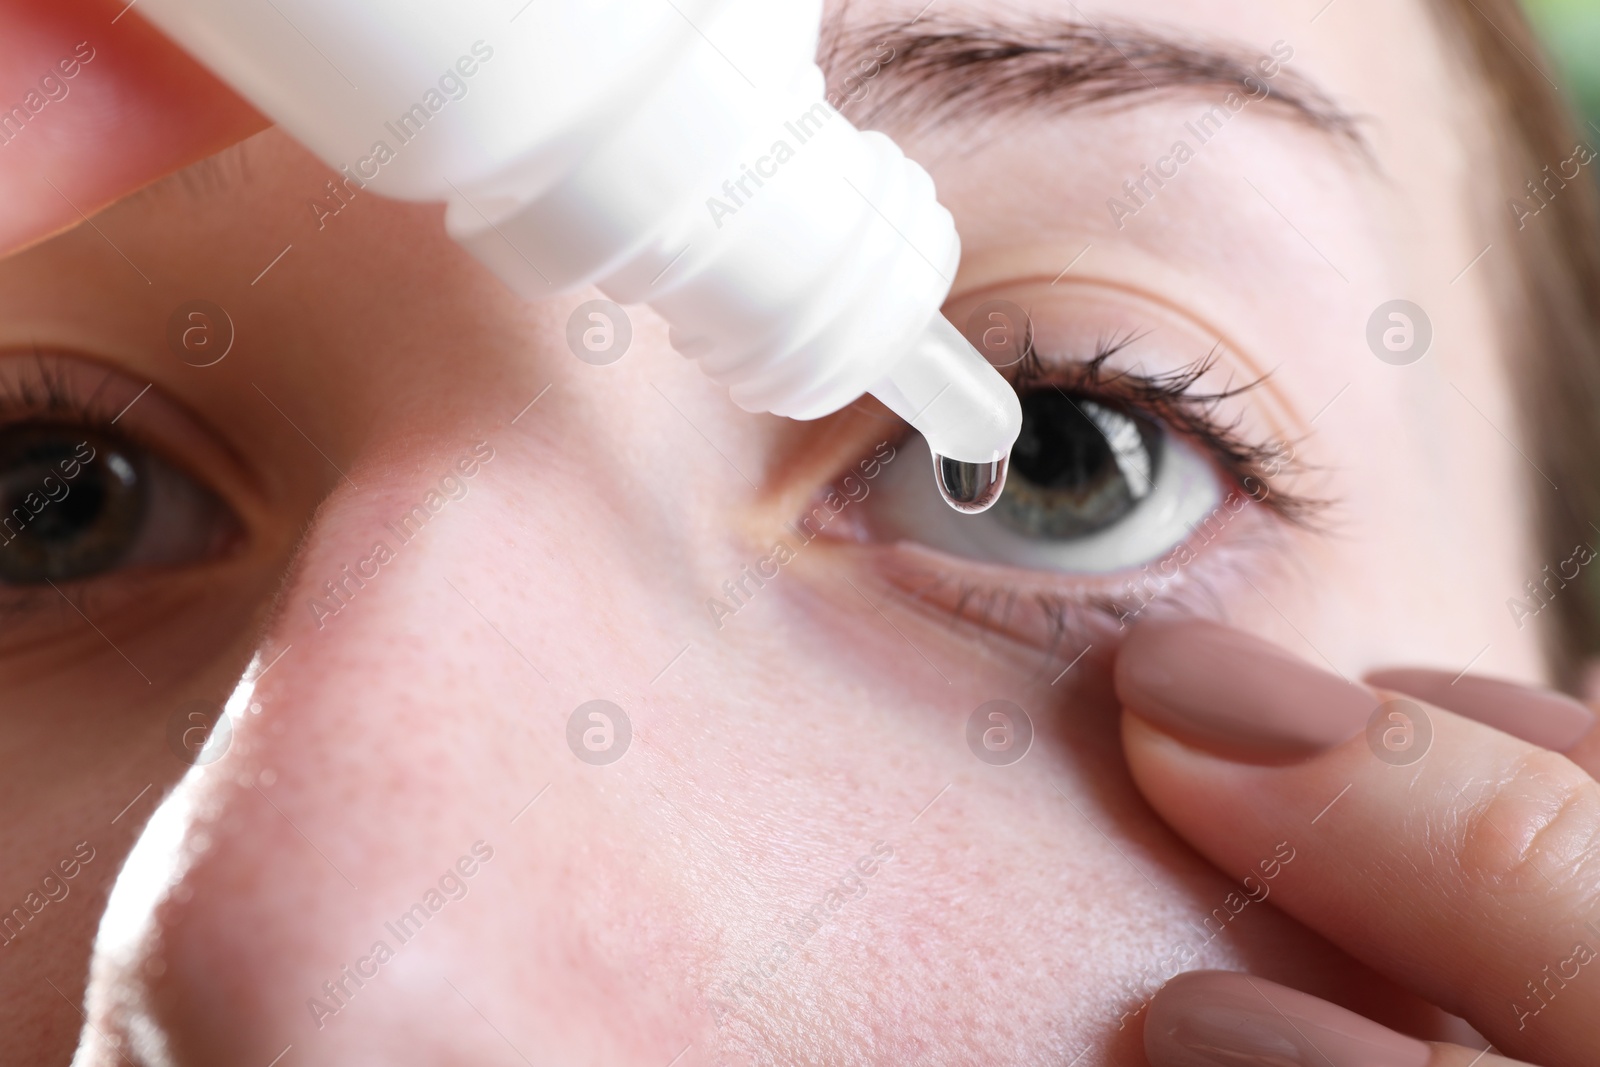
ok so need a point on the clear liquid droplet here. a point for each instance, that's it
(970, 487)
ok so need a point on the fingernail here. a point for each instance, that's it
(1539, 716)
(1221, 1019)
(1235, 694)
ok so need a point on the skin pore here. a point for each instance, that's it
(809, 749)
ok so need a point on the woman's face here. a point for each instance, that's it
(794, 831)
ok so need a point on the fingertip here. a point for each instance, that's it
(1236, 695)
(1150, 753)
(1141, 657)
(1222, 1019)
(1541, 717)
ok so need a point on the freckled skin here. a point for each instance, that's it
(705, 893)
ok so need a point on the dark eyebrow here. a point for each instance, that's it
(944, 69)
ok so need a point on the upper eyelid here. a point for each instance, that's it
(1091, 372)
(1171, 398)
(60, 385)
(50, 388)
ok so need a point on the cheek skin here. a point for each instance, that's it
(623, 913)
(99, 788)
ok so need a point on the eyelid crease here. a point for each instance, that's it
(1170, 398)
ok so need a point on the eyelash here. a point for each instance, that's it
(49, 391)
(1170, 399)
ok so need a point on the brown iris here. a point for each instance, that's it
(72, 503)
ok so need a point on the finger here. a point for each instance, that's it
(1222, 1019)
(1545, 718)
(132, 109)
(1466, 869)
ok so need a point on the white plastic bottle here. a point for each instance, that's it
(679, 153)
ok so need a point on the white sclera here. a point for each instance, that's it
(1187, 490)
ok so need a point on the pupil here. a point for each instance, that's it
(72, 503)
(1078, 467)
(1059, 447)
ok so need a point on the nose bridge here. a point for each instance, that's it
(328, 849)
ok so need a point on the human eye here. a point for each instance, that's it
(87, 492)
(1139, 469)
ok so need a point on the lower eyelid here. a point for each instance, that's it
(43, 632)
(1058, 613)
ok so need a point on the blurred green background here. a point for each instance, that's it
(1572, 30)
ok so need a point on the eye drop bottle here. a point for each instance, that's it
(677, 153)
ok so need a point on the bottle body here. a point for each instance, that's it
(345, 76)
(682, 155)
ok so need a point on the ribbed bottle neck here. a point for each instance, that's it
(793, 255)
